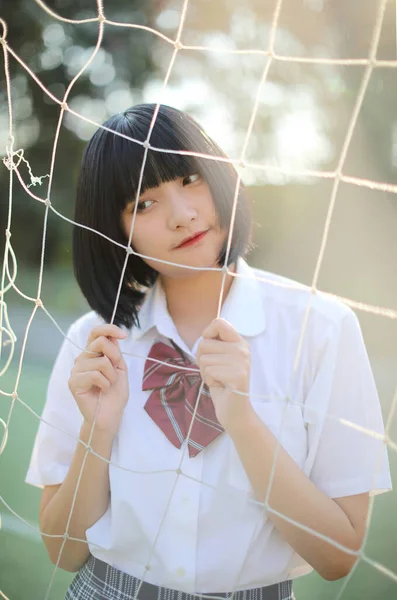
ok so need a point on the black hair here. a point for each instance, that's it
(108, 181)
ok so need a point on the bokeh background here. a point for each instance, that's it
(301, 123)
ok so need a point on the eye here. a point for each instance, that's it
(191, 179)
(143, 205)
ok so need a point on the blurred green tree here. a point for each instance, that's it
(55, 51)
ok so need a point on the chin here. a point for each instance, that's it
(187, 268)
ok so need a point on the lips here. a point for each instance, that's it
(193, 239)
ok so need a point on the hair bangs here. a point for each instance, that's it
(127, 157)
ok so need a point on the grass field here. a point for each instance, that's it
(25, 569)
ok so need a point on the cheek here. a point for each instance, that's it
(139, 241)
(145, 238)
(208, 202)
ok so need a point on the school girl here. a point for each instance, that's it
(164, 515)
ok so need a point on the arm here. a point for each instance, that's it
(99, 377)
(224, 360)
(295, 496)
(91, 503)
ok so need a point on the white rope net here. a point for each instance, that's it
(15, 157)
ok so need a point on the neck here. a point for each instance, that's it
(193, 301)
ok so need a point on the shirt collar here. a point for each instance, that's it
(243, 307)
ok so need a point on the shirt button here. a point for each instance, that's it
(181, 572)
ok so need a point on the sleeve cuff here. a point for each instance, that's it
(357, 485)
(53, 477)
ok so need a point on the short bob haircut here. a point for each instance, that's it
(108, 181)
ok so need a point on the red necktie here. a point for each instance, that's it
(172, 402)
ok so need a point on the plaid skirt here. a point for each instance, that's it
(97, 580)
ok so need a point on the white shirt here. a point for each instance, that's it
(215, 539)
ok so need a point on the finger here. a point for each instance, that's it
(211, 346)
(102, 364)
(108, 346)
(212, 360)
(104, 346)
(222, 329)
(83, 382)
(222, 376)
(237, 351)
(211, 377)
(122, 366)
(106, 330)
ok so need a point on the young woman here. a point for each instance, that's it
(176, 508)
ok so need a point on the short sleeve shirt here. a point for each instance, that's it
(198, 528)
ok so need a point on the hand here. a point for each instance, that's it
(223, 357)
(100, 371)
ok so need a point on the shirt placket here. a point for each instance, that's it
(184, 507)
(183, 523)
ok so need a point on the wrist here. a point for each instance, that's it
(99, 436)
(242, 423)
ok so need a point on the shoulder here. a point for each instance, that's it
(292, 301)
(310, 330)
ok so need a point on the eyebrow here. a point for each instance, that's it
(133, 201)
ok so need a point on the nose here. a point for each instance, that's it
(181, 211)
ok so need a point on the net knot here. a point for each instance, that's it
(9, 161)
(146, 145)
(47, 202)
(14, 395)
(148, 567)
(225, 270)
(66, 536)
(101, 18)
(129, 250)
(39, 303)
(64, 106)
(8, 234)
(242, 163)
(178, 45)
(178, 471)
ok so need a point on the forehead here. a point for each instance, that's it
(159, 168)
